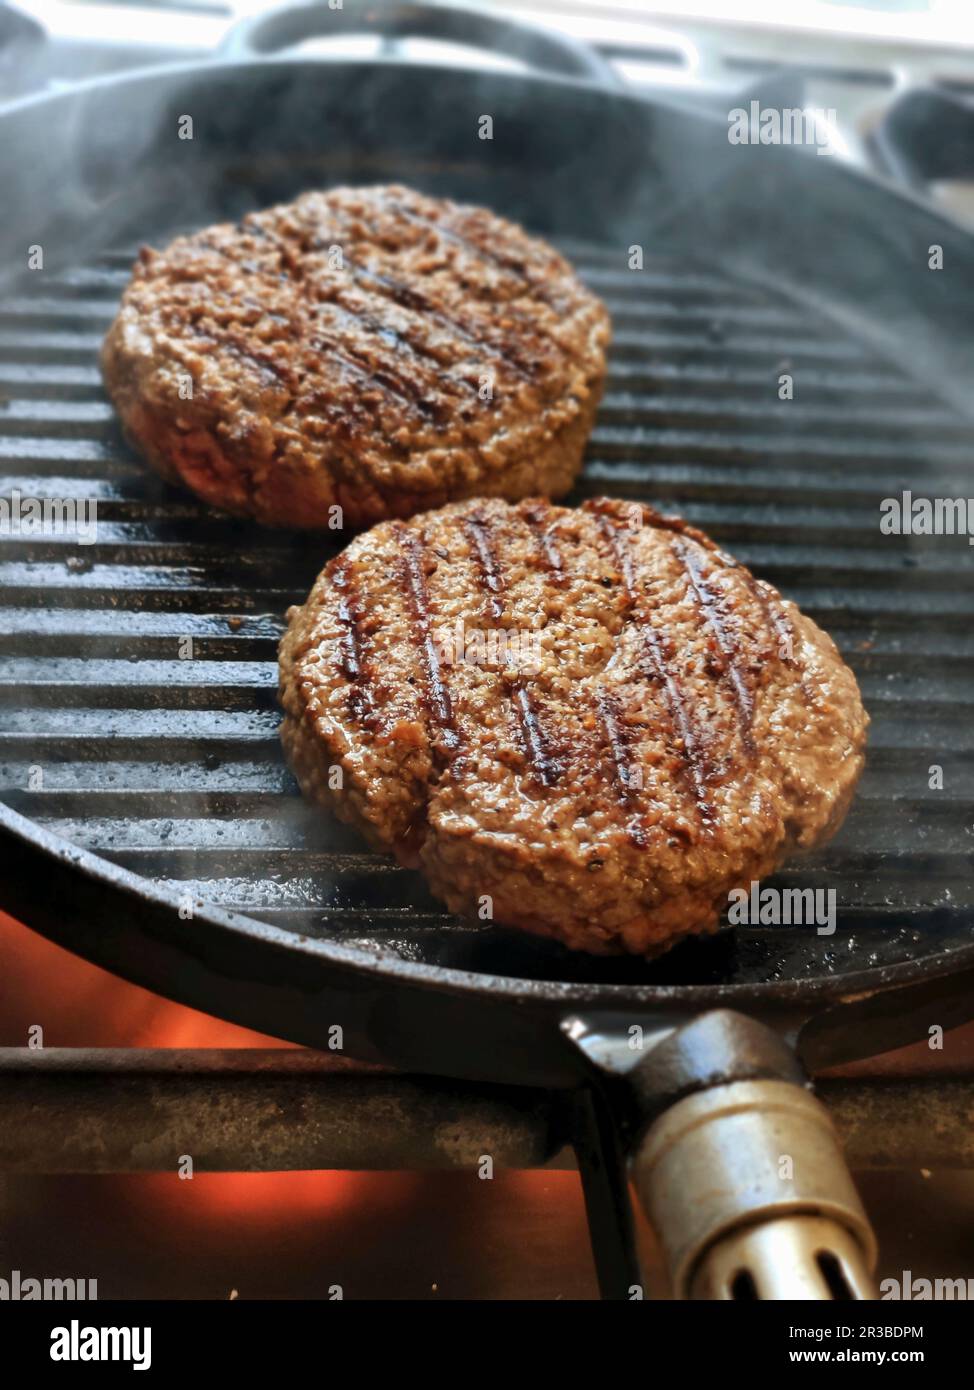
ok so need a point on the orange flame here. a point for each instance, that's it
(81, 1005)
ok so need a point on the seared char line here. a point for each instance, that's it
(620, 741)
(388, 381)
(785, 631)
(350, 647)
(534, 741)
(419, 392)
(516, 269)
(352, 659)
(398, 387)
(777, 619)
(245, 350)
(478, 533)
(407, 296)
(541, 756)
(412, 581)
(621, 555)
(437, 379)
(535, 519)
(674, 700)
(709, 606)
(387, 287)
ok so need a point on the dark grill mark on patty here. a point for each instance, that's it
(541, 757)
(477, 528)
(674, 700)
(405, 343)
(777, 620)
(412, 583)
(536, 520)
(421, 392)
(537, 746)
(709, 606)
(621, 747)
(477, 250)
(213, 336)
(386, 378)
(407, 296)
(354, 664)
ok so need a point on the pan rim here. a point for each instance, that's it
(213, 66)
(240, 928)
(621, 95)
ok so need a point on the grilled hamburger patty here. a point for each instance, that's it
(368, 348)
(657, 728)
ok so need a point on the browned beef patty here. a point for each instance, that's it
(651, 727)
(369, 349)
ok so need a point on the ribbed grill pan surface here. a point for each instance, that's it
(138, 713)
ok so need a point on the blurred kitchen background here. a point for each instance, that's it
(867, 60)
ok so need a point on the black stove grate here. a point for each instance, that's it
(172, 766)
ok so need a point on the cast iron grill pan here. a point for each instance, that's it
(171, 767)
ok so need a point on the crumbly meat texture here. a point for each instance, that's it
(370, 349)
(656, 728)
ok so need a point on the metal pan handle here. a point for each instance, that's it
(735, 1163)
(263, 35)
